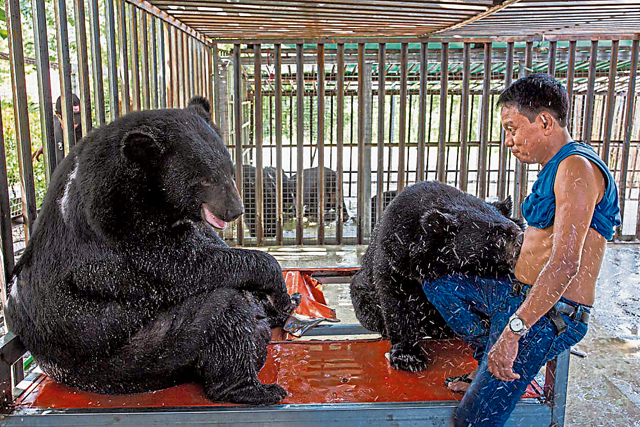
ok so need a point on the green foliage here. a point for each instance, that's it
(11, 149)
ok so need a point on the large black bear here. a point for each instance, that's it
(428, 231)
(125, 285)
(310, 195)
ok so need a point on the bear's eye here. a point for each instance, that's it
(206, 182)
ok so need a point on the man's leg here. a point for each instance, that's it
(489, 401)
(466, 304)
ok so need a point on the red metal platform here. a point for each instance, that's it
(312, 372)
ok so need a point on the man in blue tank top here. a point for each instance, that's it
(543, 309)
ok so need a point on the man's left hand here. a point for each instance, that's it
(502, 355)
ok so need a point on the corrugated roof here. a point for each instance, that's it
(333, 19)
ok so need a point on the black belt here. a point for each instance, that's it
(560, 307)
(572, 311)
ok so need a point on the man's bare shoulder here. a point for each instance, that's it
(578, 176)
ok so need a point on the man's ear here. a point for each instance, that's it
(505, 207)
(435, 222)
(139, 146)
(547, 121)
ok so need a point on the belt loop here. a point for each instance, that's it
(578, 312)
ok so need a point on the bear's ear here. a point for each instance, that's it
(435, 222)
(200, 106)
(140, 146)
(504, 206)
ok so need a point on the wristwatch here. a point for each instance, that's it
(517, 325)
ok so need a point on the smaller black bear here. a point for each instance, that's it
(269, 197)
(387, 197)
(310, 195)
(428, 231)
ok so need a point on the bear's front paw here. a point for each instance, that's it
(409, 358)
(289, 303)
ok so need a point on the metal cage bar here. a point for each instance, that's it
(83, 66)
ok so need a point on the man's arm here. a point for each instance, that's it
(578, 187)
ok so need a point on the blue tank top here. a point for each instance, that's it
(539, 208)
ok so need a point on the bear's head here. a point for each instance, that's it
(186, 168)
(477, 239)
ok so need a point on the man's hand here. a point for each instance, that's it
(502, 355)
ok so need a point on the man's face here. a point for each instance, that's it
(526, 140)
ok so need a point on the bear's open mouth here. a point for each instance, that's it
(213, 220)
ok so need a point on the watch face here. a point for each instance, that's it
(516, 325)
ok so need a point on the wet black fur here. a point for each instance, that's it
(130, 290)
(428, 231)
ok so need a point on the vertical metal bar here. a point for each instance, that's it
(570, 78)
(124, 59)
(51, 153)
(300, 139)
(557, 375)
(321, 177)
(96, 62)
(611, 100)
(144, 32)
(210, 71)
(175, 96)
(180, 89)
(508, 78)
(484, 122)
(382, 71)
(162, 84)
(279, 184)
(444, 77)
(135, 60)
(64, 70)
(402, 126)
(588, 108)
(6, 232)
(522, 173)
(83, 66)
(464, 117)
(216, 83)
(237, 117)
(551, 67)
(21, 113)
(112, 61)
(361, 123)
(628, 126)
(186, 90)
(154, 64)
(192, 82)
(422, 111)
(340, 139)
(257, 66)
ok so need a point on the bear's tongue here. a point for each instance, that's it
(212, 219)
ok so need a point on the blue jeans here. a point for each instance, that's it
(478, 309)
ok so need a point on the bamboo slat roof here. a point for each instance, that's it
(262, 20)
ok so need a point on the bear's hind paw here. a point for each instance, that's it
(256, 394)
(412, 360)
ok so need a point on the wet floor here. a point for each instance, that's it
(604, 386)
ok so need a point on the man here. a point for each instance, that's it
(544, 309)
(57, 125)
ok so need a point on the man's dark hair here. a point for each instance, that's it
(535, 93)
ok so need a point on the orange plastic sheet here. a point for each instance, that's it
(311, 372)
(312, 302)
